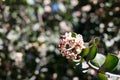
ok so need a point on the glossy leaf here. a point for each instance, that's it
(117, 69)
(85, 52)
(102, 76)
(93, 52)
(110, 63)
(99, 60)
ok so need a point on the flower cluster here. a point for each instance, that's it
(71, 45)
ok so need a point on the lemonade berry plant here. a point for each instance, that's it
(73, 48)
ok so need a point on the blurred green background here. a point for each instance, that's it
(30, 31)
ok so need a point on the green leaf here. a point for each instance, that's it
(99, 60)
(102, 76)
(85, 52)
(96, 40)
(74, 34)
(93, 52)
(117, 68)
(110, 63)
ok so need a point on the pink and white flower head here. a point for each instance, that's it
(71, 45)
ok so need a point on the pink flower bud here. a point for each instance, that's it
(70, 46)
